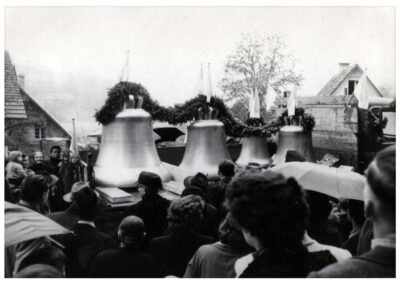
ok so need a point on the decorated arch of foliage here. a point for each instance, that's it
(187, 111)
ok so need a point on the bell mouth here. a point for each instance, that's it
(292, 128)
(207, 122)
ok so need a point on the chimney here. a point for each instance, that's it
(21, 81)
(343, 66)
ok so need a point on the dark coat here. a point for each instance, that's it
(125, 263)
(82, 247)
(325, 233)
(174, 251)
(67, 218)
(153, 211)
(351, 244)
(210, 221)
(296, 265)
(377, 263)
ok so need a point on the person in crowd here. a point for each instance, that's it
(127, 261)
(175, 250)
(52, 202)
(52, 165)
(9, 195)
(152, 209)
(366, 236)
(319, 227)
(49, 255)
(38, 165)
(275, 225)
(39, 271)
(70, 171)
(86, 242)
(217, 260)
(380, 204)
(33, 196)
(355, 214)
(209, 226)
(215, 193)
(15, 172)
(199, 180)
(69, 217)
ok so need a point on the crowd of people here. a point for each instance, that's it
(249, 223)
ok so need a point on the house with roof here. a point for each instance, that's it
(28, 126)
(344, 82)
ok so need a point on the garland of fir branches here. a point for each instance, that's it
(187, 111)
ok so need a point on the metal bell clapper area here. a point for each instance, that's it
(206, 144)
(254, 150)
(294, 138)
(127, 148)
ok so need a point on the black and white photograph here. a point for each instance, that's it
(199, 141)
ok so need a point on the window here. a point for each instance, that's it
(352, 86)
(39, 132)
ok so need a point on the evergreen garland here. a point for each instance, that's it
(119, 94)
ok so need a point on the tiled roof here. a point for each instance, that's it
(336, 80)
(14, 106)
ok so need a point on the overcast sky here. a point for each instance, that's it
(168, 44)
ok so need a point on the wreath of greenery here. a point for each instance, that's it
(119, 94)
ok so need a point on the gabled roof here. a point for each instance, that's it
(46, 113)
(337, 79)
(13, 106)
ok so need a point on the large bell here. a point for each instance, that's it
(254, 150)
(127, 148)
(296, 139)
(206, 147)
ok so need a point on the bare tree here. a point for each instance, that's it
(256, 64)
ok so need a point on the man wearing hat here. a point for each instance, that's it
(152, 209)
(69, 217)
(127, 261)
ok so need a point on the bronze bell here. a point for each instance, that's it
(206, 147)
(296, 139)
(254, 150)
(127, 148)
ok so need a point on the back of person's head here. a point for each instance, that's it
(227, 168)
(151, 181)
(33, 187)
(269, 207)
(131, 231)
(381, 178)
(185, 214)
(319, 205)
(47, 255)
(200, 180)
(192, 190)
(87, 202)
(39, 271)
(230, 233)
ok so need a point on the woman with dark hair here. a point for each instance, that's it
(272, 213)
(174, 250)
(217, 260)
